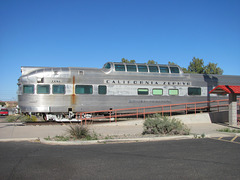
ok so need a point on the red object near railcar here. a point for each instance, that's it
(3, 112)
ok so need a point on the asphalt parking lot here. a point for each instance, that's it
(233, 139)
(184, 159)
(214, 157)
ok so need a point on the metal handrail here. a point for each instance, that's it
(214, 105)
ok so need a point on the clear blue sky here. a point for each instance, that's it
(77, 33)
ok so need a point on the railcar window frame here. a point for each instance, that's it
(153, 69)
(171, 92)
(29, 91)
(194, 91)
(119, 67)
(164, 69)
(43, 89)
(142, 68)
(107, 66)
(156, 91)
(174, 70)
(131, 68)
(83, 89)
(143, 91)
(102, 89)
(60, 89)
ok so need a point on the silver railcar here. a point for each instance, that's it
(58, 91)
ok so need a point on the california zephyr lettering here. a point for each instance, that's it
(141, 82)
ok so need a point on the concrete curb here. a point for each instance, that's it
(102, 141)
(20, 139)
(131, 140)
(111, 141)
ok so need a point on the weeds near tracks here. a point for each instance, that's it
(21, 118)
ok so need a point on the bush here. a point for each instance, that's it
(33, 118)
(12, 118)
(81, 132)
(164, 125)
(61, 138)
(76, 132)
(28, 118)
(229, 130)
(22, 118)
(58, 138)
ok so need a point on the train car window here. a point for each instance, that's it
(40, 71)
(102, 89)
(174, 70)
(153, 68)
(173, 92)
(164, 69)
(194, 91)
(142, 91)
(43, 89)
(131, 68)
(142, 68)
(58, 89)
(157, 92)
(65, 69)
(81, 72)
(119, 67)
(28, 89)
(107, 66)
(84, 89)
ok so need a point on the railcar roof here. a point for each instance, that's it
(25, 70)
(144, 64)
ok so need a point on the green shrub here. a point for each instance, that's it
(81, 132)
(22, 118)
(28, 118)
(229, 130)
(12, 118)
(58, 138)
(33, 118)
(61, 138)
(164, 125)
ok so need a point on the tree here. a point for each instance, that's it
(132, 61)
(212, 68)
(2, 103)
(171, 63)
(185, 70)
(152, 62)
(196, 66)
(127, 61)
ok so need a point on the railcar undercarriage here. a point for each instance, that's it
(70, 117)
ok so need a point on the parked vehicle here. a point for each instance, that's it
(4, 112)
